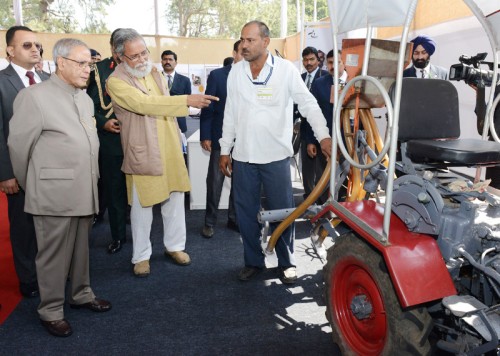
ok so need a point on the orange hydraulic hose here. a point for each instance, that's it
(379, 143)
(349, 141)
(356, 192)
(356, 189)
(315, 194)
(346, 126)
(370, 134)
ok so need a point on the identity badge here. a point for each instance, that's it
(264, 94)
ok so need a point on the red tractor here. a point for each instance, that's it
(414, 269)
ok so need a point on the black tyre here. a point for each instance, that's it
(363, 308)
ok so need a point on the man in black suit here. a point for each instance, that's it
(322, 89)
(492, 173)
(210, 132)
(178, 84)
(311, 62)
(23, 50)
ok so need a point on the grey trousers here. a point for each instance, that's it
(63, 251)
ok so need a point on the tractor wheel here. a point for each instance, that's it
(363, 308)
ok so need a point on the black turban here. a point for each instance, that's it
(426, 42)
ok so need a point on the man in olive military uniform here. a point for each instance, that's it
(110, 153)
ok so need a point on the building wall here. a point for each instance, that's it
(189, 50)
(430, 13)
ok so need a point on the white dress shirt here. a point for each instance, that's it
(258, 113)
(172, 75)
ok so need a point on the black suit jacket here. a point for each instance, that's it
(304, 126)
(211, 118)
(181, 86)
(10, 85)
(436, 72)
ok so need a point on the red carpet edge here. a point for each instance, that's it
(9, 284)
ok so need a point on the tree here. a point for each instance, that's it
(225, 18)
(85, 16)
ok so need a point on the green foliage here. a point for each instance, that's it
(58, 15)
(6, 14)
(225, 18)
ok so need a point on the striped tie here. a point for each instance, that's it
(309, 81)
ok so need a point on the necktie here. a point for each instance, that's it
(169, 82)
(31, 77)
(308, 83)
(423, 73)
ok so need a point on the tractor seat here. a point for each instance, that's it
(462, 152)
(429, 124)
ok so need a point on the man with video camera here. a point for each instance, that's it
(469, 70)
(492, 173)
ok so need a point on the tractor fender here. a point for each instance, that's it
(414, 261)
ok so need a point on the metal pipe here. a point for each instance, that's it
(395, 126)
(157, 19)
(317, 191)
(490, 272)
(18, 12)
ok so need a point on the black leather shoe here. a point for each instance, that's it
(207, 232)
(231, 225)
(29, 290)
(115, 246)
(59, 328)
(247, 273)
(97, 305)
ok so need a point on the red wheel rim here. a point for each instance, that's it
(349, 279)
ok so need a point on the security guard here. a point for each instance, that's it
(110, 153)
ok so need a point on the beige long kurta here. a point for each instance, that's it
(154, 189)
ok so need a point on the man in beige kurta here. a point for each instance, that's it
(153, 160)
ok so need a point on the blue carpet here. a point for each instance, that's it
(201, 309)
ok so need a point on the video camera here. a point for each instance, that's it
(468, 70)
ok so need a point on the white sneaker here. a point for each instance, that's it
(289, 275)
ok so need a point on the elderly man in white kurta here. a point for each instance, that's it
(54, 147)
(153, 160)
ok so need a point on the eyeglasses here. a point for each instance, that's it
(82, 65)
(136, 57)
(28, 45)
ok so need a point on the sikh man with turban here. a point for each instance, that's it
(423, 49)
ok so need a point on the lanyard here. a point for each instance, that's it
(268, 76)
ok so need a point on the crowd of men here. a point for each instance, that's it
(120, 123)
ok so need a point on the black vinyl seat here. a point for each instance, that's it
(462, 152)
(429, 124)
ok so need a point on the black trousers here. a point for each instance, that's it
(215, 181)
(23, 240)
(493, 173)
(115, 194)
(312, 169)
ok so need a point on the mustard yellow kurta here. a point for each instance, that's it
(155, 189)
